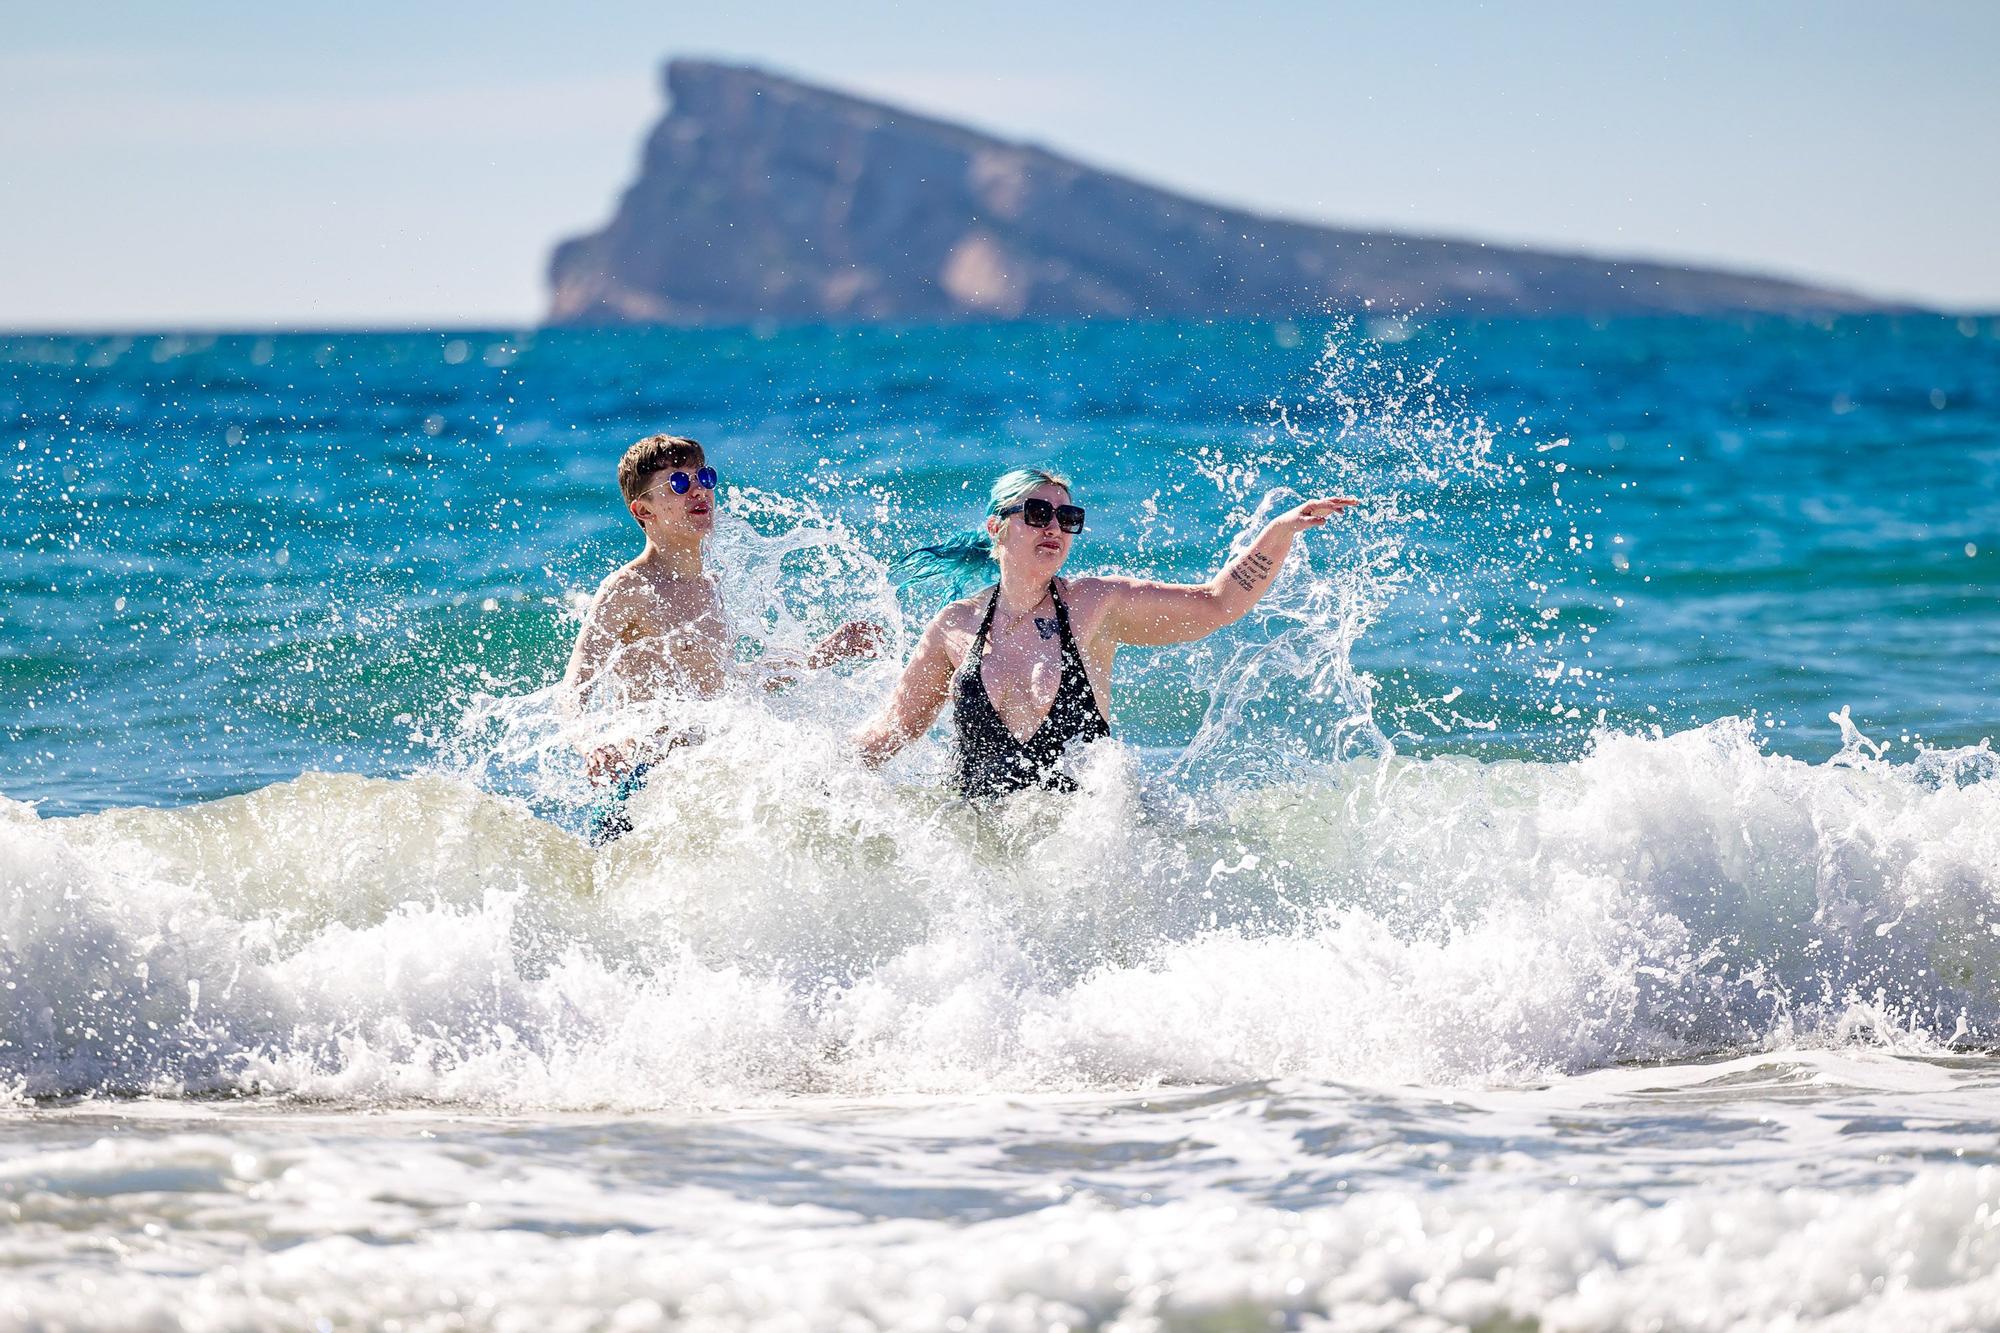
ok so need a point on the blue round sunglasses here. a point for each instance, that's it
(681, 482)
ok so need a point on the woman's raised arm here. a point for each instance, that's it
(1145, 612)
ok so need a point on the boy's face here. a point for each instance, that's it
(660, 509)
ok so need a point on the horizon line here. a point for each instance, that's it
(358, 328)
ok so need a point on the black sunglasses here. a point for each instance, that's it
(681, 482)
(1037, 513)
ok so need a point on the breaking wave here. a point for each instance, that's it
(783, 922)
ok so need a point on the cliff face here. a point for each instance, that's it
(760, 198)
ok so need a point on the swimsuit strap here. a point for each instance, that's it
(976, 654)
(1072, 656)
(1069, 647)
(978, 649)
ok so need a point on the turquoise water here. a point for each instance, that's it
(229, 559)
(1494, 930)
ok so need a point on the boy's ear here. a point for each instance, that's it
(637, 515)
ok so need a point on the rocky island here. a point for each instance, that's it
(763, 199)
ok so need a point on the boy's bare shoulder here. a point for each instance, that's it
(624, 588)
(639, 573)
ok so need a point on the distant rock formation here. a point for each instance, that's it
(763, 199)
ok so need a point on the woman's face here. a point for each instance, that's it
(1037, 552)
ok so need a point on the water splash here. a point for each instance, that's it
(1451, 574)
(788, 573)
(782, 921)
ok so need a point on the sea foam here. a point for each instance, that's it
(796, 924)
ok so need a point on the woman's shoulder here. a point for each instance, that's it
(962, 616)
(1095, 589)
(1090, 600)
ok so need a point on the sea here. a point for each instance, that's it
(1569, 900)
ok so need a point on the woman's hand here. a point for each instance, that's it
(1313, 513)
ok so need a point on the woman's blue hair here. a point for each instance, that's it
(964, 561)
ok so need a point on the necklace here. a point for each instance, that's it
(1015, 622)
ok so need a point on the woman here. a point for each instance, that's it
(1026, 666)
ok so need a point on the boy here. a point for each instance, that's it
(655, 629)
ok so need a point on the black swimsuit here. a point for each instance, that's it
(991, 762)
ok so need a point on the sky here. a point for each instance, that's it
(397, 165)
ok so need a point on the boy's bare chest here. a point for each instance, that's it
(678, 608)
(678, 638)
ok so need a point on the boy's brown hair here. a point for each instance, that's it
(655, 454)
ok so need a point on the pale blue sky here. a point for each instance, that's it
(238, 164)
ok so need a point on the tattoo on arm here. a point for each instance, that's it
(1251, 570)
